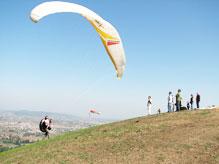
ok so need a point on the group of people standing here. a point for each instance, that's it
(197, 99)
(178, 102)
(175, 102)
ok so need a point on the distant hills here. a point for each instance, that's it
(38, 115)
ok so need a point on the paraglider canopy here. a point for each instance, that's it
(107, 32)
(94, 111)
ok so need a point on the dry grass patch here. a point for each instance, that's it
(184, 137)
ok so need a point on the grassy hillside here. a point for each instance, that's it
(185, 137)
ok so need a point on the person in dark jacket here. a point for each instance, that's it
(198, 99)
(188, 105)
(191, 101)
(178, 100)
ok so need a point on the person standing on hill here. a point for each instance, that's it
(149, 105)
(170, 102)
(178, 100)
(191, 101)
(198, 99)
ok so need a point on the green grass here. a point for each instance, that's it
(184, 137)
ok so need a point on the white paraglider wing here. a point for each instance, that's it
(108, 34)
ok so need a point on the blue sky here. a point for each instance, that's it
(60, 65)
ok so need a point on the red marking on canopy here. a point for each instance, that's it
(111, 42)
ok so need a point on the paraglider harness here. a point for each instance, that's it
(44, 128)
